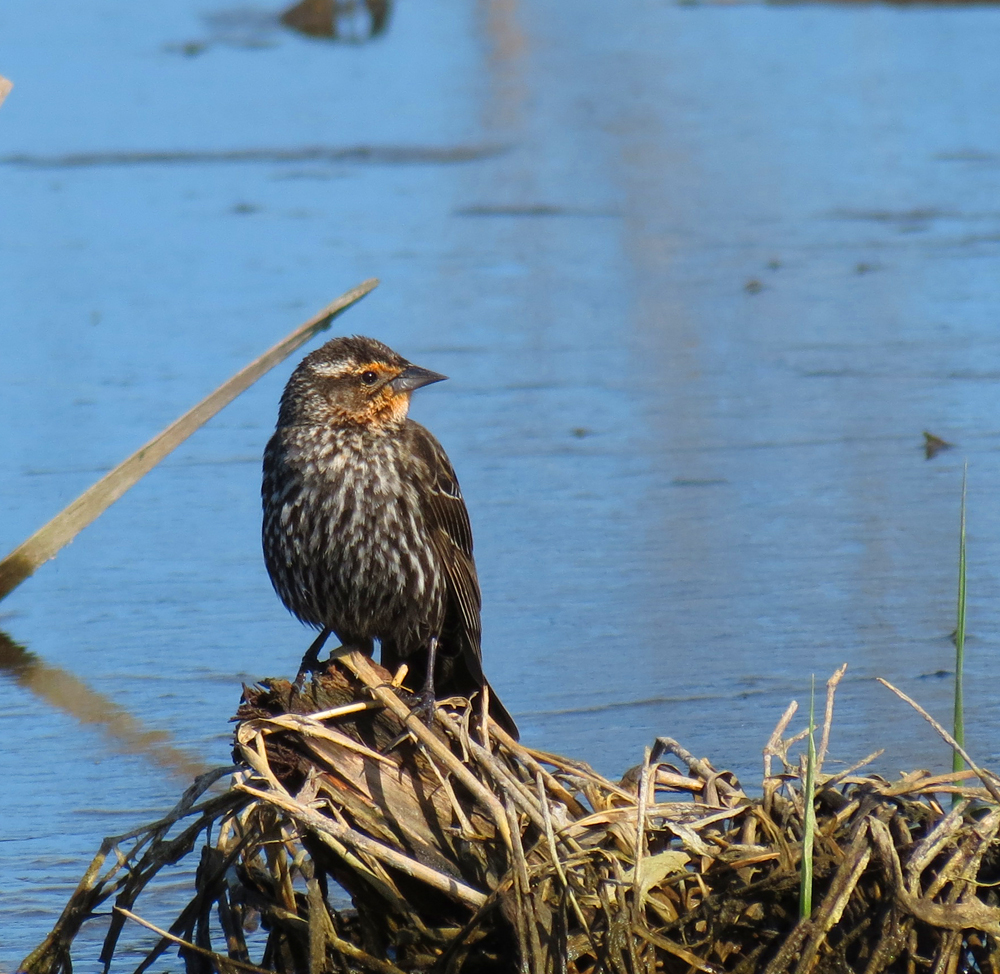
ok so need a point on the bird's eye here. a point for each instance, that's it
(369, 378)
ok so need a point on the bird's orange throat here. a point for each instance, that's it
(390, 409)
(387, 409)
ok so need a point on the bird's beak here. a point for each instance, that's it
(413, 377)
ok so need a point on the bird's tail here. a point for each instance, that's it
(463, 674)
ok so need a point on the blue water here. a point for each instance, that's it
(701, 276)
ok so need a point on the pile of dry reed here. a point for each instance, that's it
(463, 850)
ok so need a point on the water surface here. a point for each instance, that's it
(701, 276)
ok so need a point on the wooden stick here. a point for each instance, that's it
(46, 543)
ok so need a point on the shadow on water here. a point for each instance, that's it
(68, 693)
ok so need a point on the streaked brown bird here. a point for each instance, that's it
(366, 534)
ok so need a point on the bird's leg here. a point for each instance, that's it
(426, 698)
(311, 658)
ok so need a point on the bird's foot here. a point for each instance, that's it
(427, 699)
(310, 662)
(425, 705)
(306, 668)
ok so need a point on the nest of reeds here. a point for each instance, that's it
(463, 850)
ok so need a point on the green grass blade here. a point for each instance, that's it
(959, 725)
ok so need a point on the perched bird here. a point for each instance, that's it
(366, 534)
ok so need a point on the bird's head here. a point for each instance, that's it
(352, 381)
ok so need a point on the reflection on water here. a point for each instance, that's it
(68, 693)
(342, 20)
(399, 155)
(253, 27)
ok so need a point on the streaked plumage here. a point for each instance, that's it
(365, 529)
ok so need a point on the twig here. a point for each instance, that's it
(831, 689)
(843, 884)
(46, 542)
(640, 814)
(697, 765)
(808, 814)
(527, 913)
(221, 960)
(348, 708)
(773, 747)
(840, 776)
(361, 666)
(984, 776)
(361, 956)
(357, 840)
(638, 907)
(931, 844)
(256, 757)
(526, 757)
(959, 716)
(518, 792)
(309, 726)
(550, 839)
(456, 806)
(658, 940)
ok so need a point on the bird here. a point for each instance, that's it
(365, 530)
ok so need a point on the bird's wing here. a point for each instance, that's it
(448, 522)
(444, 506)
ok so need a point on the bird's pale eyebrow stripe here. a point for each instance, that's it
(339, 370)
(332, 371)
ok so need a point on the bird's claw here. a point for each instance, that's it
(310, 662)
(425, 705)
(300, 677)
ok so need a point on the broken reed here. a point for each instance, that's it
(809, 811)
(464, 850)
(53, 536)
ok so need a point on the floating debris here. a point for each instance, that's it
(933, 445)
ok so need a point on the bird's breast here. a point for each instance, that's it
(347, 513)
